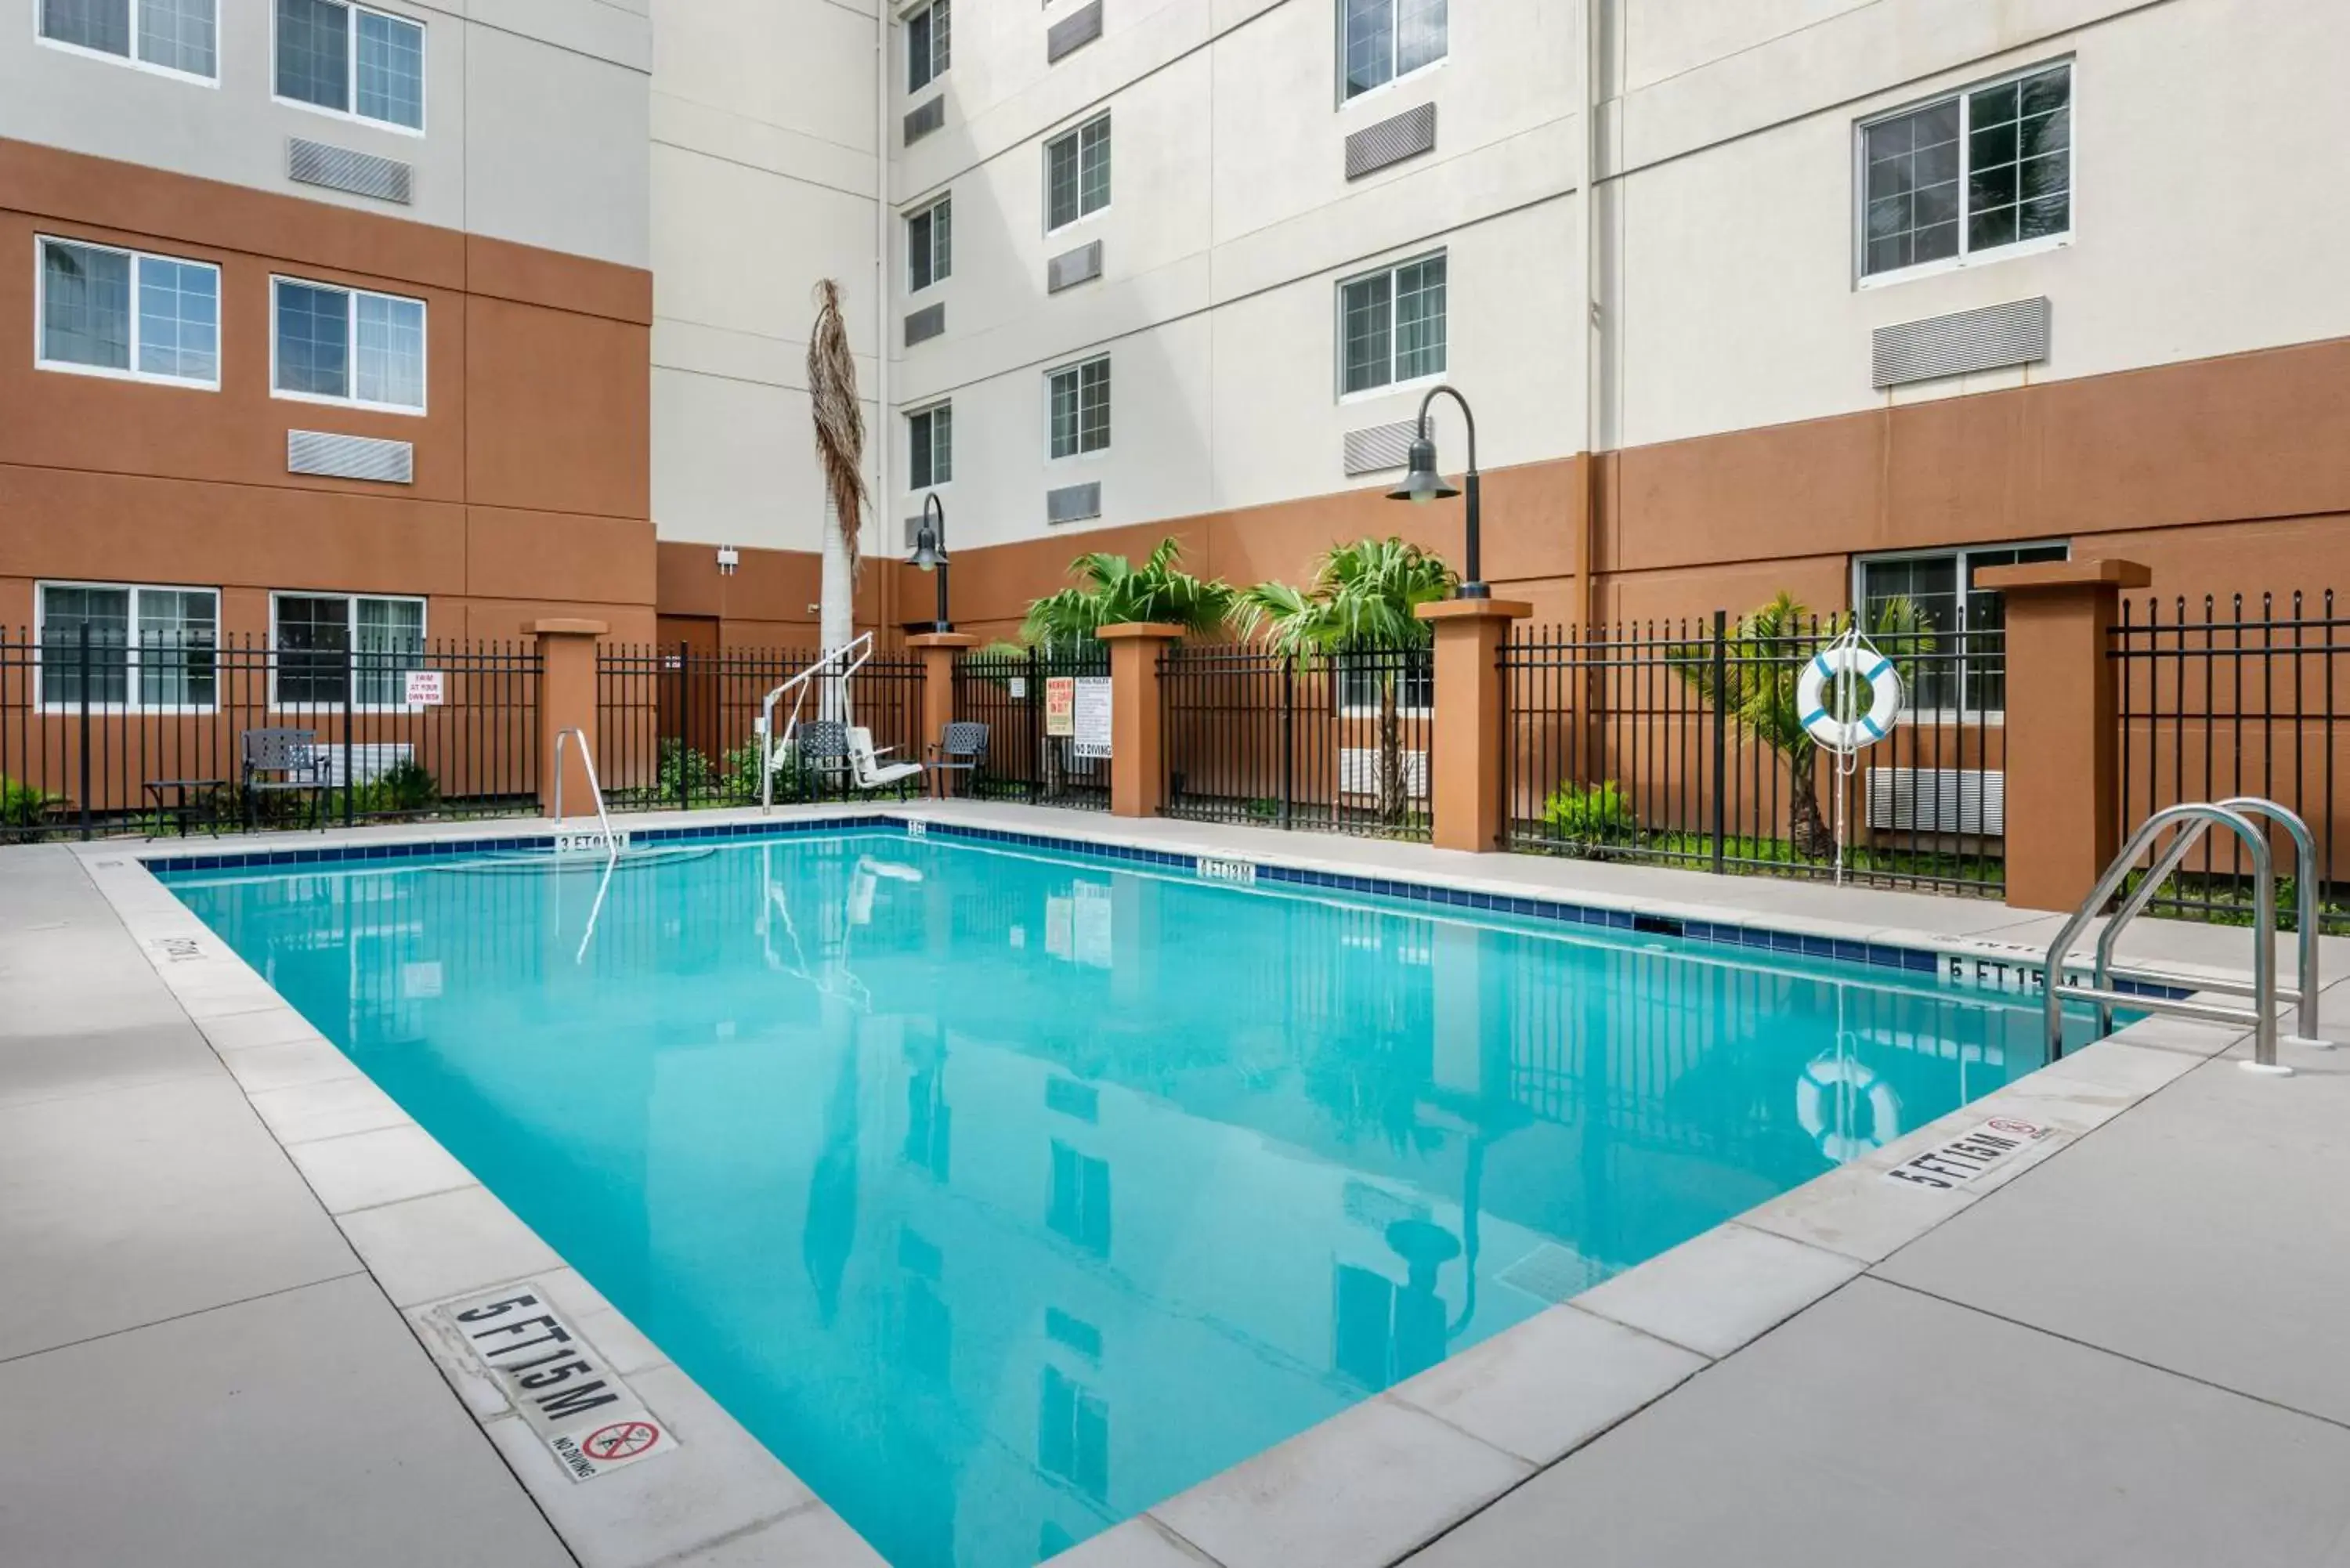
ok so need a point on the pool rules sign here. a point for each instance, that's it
(554, 1380)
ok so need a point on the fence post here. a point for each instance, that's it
(1288, 736)
(85, 732)
(566, 701)
(939, 650)
(2063, 746)
(1721, 733)
(1469, 749)
(351, 683)
(1034, 704)
(1138, 764)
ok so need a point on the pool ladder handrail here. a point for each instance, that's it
(851, 656)
(2192, 820)
(595, 789)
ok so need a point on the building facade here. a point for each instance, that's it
(457, 317)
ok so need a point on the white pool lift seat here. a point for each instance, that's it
(866, 768)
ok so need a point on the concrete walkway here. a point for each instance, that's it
(195, 1369)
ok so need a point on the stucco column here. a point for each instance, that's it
(566, 701)
(939, 650)
(2064, 807)
(1468, 760)
(1137, 766)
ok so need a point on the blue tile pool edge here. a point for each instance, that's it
(1965, 966)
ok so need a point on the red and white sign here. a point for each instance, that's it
(426, 689)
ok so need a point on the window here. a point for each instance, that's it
(1981, 170)
(1079, 1208)
(1364, 674)
(1080, 400)
(929, 447)
(930, 244)
(171, 35)
(930, 1122)
(347, 345)
(1073, 1434)
(1392, 325)
(110, 312)
(1381, 40)
(928, 53)
(1966, 672)
(148, 648)
(330, 644)
(1076, 173)
(354, 61)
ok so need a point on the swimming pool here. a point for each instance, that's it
(1003, 1193)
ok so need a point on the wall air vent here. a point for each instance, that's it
(338, 169)
(1073, 503)
(1079, 266)
(1072, 32)
(1391, 141)
(1378, 446)
(922, 121)
(925, 323)
(1991, 338)
(1937, 799)
(349, 457)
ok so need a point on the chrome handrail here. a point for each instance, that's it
(860, 647)
(2307, 982)
(2262, 1015)
(595, 790)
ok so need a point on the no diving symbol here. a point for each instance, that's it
(620, 1440)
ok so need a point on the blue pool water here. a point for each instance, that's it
(1003, 1195)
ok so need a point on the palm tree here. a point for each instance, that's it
(1360, 602)
(840, 454)
(1766, 656)
(1111, 590)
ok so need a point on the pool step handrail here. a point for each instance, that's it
(595, 789)
(2190, 821)
(843, 662)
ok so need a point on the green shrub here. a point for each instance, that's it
(685, 775)
(23, 806)
(407, 785)
(1590, 814)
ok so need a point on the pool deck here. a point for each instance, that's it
(2124, 1345)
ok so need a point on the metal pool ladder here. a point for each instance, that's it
(595, 789)
(2193, 820)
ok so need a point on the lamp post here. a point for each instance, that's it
(930, 553)
(1423, 483)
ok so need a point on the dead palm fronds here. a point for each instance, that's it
(839, 422)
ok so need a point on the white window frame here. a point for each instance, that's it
(132, 372)
(1395, 79)
(945, 406)
(937, 71)
(931, 209)
(1404, 710)
(1964, 95)
(1958, 554)
(1077, 133)
(40, 644)
(351, 632)
(350, 349)
(351, 70)
(1339, 333)
(133, 59)
(1075, 367)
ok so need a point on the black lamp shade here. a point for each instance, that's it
(1422, 482)
(926, 554)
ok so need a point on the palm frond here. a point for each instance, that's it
(839, 419)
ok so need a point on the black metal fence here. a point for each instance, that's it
(1337, 742)
(105, 734)
(2221, 699)
(678, 725)
(1679, 742)
(1027, 698)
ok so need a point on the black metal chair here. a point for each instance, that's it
(820, 750)
(282, 762)
(961, 748)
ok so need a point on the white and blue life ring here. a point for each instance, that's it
(1851, 1082)
(1874, 670)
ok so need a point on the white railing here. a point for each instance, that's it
(839, 663)
(595, 789)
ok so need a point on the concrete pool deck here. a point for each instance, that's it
(2118, 1347)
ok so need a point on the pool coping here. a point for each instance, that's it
(1367, 1486)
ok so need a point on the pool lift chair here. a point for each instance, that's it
(836, 664)
(2104, 990)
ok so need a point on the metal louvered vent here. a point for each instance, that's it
(1072, 32)
(1989, 338)
(925, 323)
(1391, 141)
(1073, 503)
(1076, 266)
(1937, 799)
(920, 123)
(1378, 447)
(338, 169)
(914, 527)
(350, 457)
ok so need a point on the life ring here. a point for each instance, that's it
(1834, 1143)
(1874, 670)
